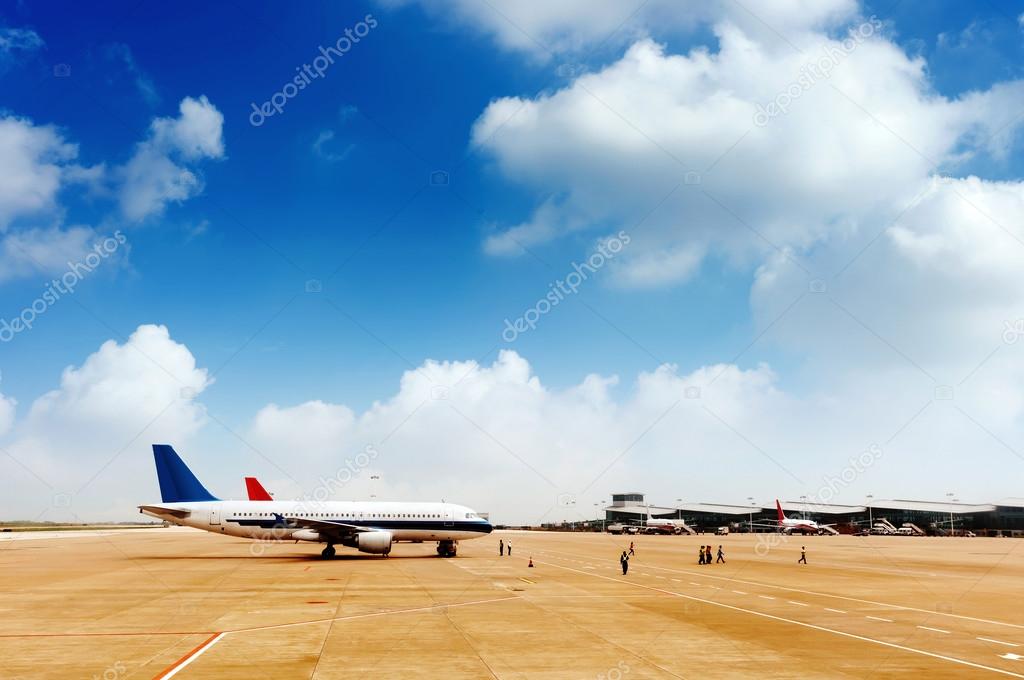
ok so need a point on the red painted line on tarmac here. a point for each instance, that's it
(183, 661)
(215, 636)
(147, 633)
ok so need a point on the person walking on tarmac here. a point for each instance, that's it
(700, 555)
(803, 556)
(624, 561)
(501, 548)
(707, 555)
(508, 547)
(721, 556)
(631, 551)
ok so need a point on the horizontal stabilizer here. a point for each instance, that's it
(173, 512)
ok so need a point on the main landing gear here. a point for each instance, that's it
(328, 552)
(447, 548)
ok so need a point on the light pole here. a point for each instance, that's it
(597, 506)
(803, 499)
(871, 517)
(751, 527)
(373, 485)
(951, 501)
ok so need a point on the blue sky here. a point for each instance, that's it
(406, 258)
(336, 189)
(278, 215)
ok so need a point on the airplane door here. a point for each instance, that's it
(448, 518)
(214, 517)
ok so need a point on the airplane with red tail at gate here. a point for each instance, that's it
(789, 525)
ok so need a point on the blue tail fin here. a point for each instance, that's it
(177, 483)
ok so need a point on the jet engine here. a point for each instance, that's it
(376, 542)
(305, 535)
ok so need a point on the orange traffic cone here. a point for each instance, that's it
(531, 562)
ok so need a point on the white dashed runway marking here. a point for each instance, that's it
(824, 629)
(936, 630)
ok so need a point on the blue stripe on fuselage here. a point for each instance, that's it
(385, 525)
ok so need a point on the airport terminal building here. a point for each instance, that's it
(934, 518)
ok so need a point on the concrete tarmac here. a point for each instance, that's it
(180, 603)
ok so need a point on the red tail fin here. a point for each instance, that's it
(256, 490)
(778, 506)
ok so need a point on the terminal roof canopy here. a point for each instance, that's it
(633, 507)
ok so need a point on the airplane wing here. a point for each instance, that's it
(327, 527)
(175, 512)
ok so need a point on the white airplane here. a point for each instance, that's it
(788, 526)
(368, 526)
(664, 526)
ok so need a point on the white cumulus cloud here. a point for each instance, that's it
(543, 29)
(15, 42)
(159, 172)
(122, 398)
(35, 157)
(498, 438)
(49, 250)
(39, 163)
(614, 144)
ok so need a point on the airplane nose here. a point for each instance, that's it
(489, 528)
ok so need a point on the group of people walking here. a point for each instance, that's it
(704, 555)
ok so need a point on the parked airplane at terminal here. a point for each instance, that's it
(368, 526)
(665, 526)
(788, 525)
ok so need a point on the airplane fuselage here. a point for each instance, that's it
(269, 520)
(806, 526)
(664, 526)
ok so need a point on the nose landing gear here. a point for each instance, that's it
(447, 548)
